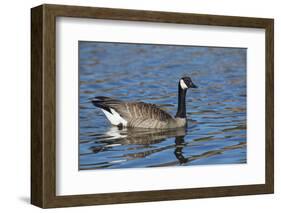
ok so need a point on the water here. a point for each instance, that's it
(216, 110)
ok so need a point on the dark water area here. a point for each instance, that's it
(216, 110)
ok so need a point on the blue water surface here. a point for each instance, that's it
(216, 110)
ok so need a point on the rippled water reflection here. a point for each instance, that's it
(216, 111)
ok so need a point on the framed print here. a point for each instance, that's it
(136, 106)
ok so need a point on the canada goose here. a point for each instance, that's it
(144, 115)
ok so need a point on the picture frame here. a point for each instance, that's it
(43, 105)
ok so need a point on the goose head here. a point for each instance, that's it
(186, 82)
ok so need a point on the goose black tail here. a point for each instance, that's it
(100, 104)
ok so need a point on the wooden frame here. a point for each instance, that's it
(43, 105)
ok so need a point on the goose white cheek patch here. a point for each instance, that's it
(183, 85)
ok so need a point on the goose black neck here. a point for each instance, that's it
(181, 113)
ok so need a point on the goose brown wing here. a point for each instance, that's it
(139, 110)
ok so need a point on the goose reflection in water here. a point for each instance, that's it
(129, 145)
(142, 138)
